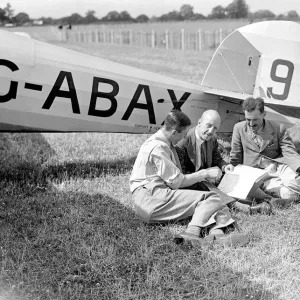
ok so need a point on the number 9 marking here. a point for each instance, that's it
(286, 80)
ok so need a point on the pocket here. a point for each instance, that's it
(155, 189)
(143, 203)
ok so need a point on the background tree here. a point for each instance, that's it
(48, 21)
(186, 12)
(292, 15)
(281, 17)
(198, 17)
(171, 16)
(90, 17)
(21, 18)
(3, 17)
(218, 12)
(125, 17)
(237, 9)
(262, 14)
(142, 19)
(112, 16)
(75, 19)
(9, 12)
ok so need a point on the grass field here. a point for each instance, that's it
(68, 230)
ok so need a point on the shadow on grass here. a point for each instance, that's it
(91, 169)
(24, 163)
(79, 246)
(22, 155)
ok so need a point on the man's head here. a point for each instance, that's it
(208, 124)
(176, 125)
(254, 110)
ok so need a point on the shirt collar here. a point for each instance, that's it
(262, 128)
(198, 138)
(159, 135)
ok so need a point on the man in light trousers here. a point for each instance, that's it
(161, 191)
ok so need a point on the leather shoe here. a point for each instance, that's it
(185, 236)
(281, 203)
(261, 208)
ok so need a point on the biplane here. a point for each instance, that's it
(48, 88)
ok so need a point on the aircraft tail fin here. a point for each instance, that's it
(259, 59)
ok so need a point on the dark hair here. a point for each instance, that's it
(176, 120)
(251, 104)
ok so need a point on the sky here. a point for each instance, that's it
(62, 8)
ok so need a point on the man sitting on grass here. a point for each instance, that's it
(161, 192)
(265, 144)
(200, 150)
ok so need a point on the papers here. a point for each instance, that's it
(224, 197)
(239, 182)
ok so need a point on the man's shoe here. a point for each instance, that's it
(182, 236)
(281, 203)
(261, 208)
(216, 232)
(240, 207)
(195, 239)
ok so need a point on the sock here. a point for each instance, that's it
(193, 229)
(241, 207)
(217, 231)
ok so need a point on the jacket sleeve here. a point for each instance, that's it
(217, 159)
(187, 165)
(236, 153)
(288, 149)
(181, 149)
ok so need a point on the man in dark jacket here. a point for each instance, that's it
(265, 144)
(199, 149)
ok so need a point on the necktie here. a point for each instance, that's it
(203, 155)
(256, 139)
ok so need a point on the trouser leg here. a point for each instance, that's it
(285, 185)
(184, 203)
(259, 195)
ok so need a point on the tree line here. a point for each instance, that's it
(235, 10)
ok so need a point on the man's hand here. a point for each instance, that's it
(214, 175)
(228, 168)
(271, 168)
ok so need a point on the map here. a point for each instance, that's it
(239, 182)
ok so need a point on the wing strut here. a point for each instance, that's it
(231, 72)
